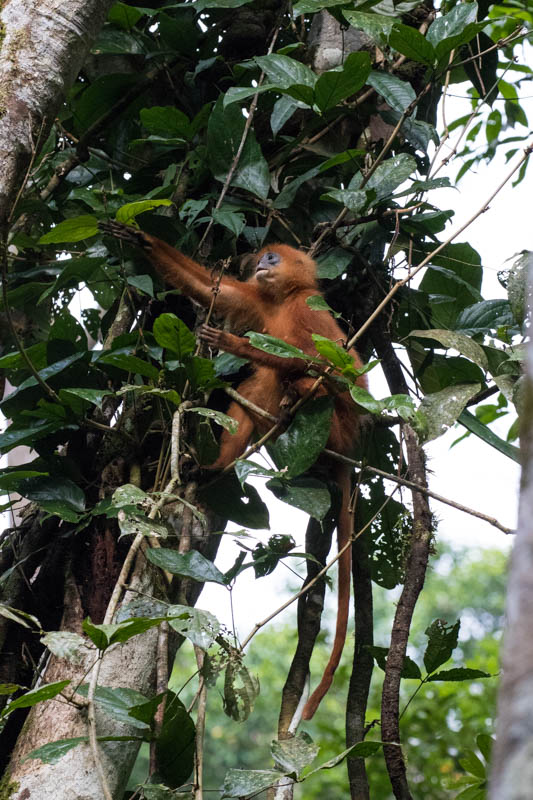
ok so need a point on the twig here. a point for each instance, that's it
(419, 488)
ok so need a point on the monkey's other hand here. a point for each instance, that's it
(213, 337)
(126, 233)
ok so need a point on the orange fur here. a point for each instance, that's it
(273, 301)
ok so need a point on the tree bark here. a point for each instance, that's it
(42, 48)
(512, 765)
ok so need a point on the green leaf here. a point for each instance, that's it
(55, 494)
(477, 791)
(292, 755)
(410, 669)
(334, 353)
(234, 221)
(166, 121)
(200, 627)
(129, 363)
(411, 43)
(248, 782)
(52, 752)
(94, 396)
(333, 263)
(134, 524)
(9, 688)
(228, 423)
(354, 200)
(442, 409)
(391, 174)
(128, 495)
(442, 641)
(64, 644)
(459, 674)
(377, 26)
(142, 282)
(190, 565)
(289, 75)
(314, 6)
(117, 702)
(458, 341)
(471, 763)
(241, 689)
(476, 427)
(276, 347)
(241, 505)
(171, 333)
(224, 135)
(175, 744)
(317, 303)
(98, 634)
(457, 27)
(485, 744)
(30, 433)
(336, 85)
(125, 16)
(71, 230)
(35, 696)
(397, 93)
(303, 492)
(128, 212)
(299, 447)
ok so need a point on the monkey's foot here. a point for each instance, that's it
(126, 233)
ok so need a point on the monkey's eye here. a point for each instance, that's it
(269, 259)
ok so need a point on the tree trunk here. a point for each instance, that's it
(512, 766)
(42, 48)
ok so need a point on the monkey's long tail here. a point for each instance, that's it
(344, 534)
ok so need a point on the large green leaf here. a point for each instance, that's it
(289, 75)
(303, 492)
(190, 565)
(71, 230)
(299, 447)
(397, 93)
(412, 44)
(336, 85)
(175, 744)
(172, 334)
(442, 641)
(34, 696)
(442, 409)
(57, 495)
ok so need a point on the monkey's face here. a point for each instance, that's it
(265, 271)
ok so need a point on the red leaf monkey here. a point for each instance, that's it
(273, 301)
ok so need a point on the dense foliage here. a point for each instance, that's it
(220, 125)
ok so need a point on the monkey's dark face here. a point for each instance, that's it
(266, 266)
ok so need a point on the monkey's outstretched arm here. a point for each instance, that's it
(181, 271)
